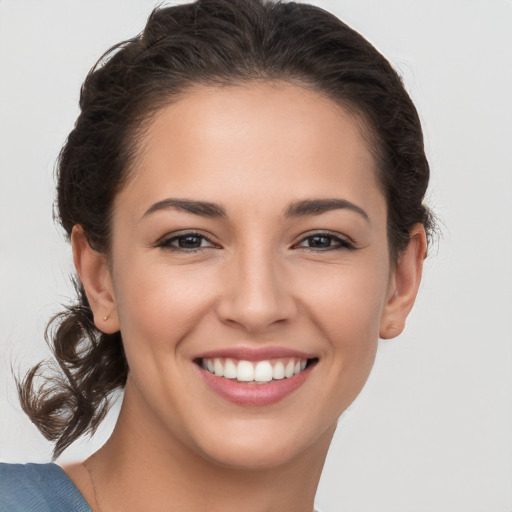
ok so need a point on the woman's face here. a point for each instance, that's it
(250, 241)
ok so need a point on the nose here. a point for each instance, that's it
(256, 293)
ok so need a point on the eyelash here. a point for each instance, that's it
(342, 243)
(166, 243)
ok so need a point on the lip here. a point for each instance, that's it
(255, 354)
(251, 394)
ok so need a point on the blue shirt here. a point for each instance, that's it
(38, 488)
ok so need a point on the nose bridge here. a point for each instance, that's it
(256, 294)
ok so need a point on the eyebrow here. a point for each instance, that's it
(319, 206)
(203, 208)
(295, 209)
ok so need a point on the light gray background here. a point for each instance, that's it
(432, 430)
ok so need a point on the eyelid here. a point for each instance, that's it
(164, 242)
(344, 241)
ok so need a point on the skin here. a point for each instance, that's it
(256, 281)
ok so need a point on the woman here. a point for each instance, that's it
(243, 193)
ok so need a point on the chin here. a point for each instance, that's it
(262, 446)
(252, 458)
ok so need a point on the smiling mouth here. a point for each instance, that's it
(255, 372)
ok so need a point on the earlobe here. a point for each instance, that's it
(94, 273)
(404, 284)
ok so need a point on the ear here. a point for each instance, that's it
(404, 283)
(92, 268)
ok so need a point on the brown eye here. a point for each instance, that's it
(186, 242)
(189, 241)
(320, 242)
(325, 242)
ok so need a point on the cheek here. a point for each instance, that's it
(346, 305)
(347, 301)
(160, 304)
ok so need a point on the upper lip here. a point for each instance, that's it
(255, 354)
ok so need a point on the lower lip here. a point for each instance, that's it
(244, 393)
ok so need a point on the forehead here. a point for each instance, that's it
(258, 138)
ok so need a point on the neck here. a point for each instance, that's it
(142, 467)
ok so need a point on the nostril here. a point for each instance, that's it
(256, 303)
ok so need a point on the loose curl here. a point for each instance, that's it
(208, 42)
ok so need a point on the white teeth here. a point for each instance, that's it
(260, 372)
(288, 370)
(245, 371)
(278, 372)
(263, 372)
(218, 367)
(230, 369)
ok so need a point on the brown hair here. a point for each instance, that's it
(208, 42)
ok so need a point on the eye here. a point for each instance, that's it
(187, 242)
(325, 242)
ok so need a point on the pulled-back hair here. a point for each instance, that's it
(208, 42)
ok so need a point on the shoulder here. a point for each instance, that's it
(38, 487)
